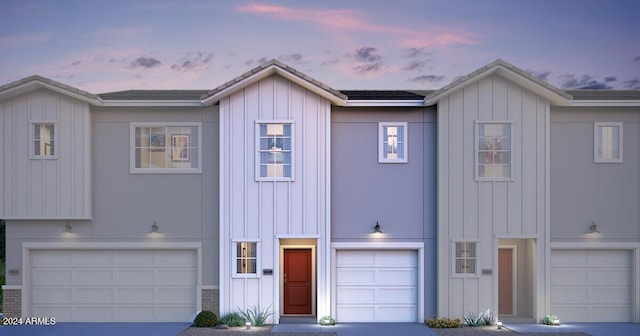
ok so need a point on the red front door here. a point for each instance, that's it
(505, 281)
(297, 281)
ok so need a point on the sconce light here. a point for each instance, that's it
(377, 229)
(593, 228)
(154, 228)
(67, 228)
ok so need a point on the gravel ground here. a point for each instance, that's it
(465, 331)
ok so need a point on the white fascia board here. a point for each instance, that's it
(601, 103)
(48, 218)
(31, 86)
(385, 103)
(133, 245)
(151, 103)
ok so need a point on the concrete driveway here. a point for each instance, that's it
(96, 329)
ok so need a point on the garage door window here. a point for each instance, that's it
(465, 261)
(246, 259)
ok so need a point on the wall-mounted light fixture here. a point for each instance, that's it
(68, 228)
(377, 229)
(154, 228)
(593, 228)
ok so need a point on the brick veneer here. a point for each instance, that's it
(12, 302)
(211, 300)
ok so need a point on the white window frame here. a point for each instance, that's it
(597, 141)
(234, 258)
(476, 152)
(32, 139)
(382, 142)
(455, 258)
(132, 148)
(259, 123)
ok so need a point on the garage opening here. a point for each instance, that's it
(377, 285)
(99, 285)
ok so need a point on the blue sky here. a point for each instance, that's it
(102, 46)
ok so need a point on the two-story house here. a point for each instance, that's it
(279, 192)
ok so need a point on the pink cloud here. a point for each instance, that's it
(344, 20)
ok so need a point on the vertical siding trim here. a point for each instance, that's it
(246, 156)
(523, 153)
(293, 164)
(302, 160)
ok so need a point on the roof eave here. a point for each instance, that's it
(385, 103)
(34, 84)
(151, 103)
(600, 102)
(335, 98)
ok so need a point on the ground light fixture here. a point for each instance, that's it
(499, 324)
(248, 325)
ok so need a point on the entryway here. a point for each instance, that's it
(516, 271)
(297, 279)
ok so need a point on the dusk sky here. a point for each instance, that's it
(102, 46)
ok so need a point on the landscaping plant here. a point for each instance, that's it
(206, 319)
(255, 315)
(443, 322)
(233, 319)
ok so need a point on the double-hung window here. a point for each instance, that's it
(392, 142)
(607, 147)
(245, 256)
(43, 140)
(493, 151)
(465, 257)
(274, 155)
(166, 147)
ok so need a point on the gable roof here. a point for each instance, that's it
(36, 82)
(510, 72)
(153, 95)
(265, 70)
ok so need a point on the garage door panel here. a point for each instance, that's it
(592, 285)
(348, 294)
(178, 259)
(53, 259)
(52, 295)
(60, 313)
(93, 313)
(92, 258)
(356, 276)
(127, 277)
(355, 259)
(93, 277)
(395, 295)
(396, 259)
(94, 296)
(135, 295)
(358, 313)
(51, 276)
(397, 277)
(178, 276)
(140, 259)
(400, 313)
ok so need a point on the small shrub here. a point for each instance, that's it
(233, 319)
(549, 319)
(255, 315)
(473, 319)
(206, 319)
(489, 317)
(443, 322)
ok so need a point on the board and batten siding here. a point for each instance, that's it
(481, 211)
(264, 210)
(58, 188)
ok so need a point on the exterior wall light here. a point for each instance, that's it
(68, 228)
(377, 229)
(154, 228)
(593, 228)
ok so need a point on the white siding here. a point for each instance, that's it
(45, 188)
(480, 211)
(262, 210)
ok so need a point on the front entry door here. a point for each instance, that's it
(505, 281)
(297, 281)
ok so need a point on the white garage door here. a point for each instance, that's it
(113, 285)
(591, 285)
(376, 286)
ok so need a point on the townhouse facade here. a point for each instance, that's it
(276, 191)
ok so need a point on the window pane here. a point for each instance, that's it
(43, 140)
(494, 150)
(275, 145)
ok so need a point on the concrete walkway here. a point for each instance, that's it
(355, 329)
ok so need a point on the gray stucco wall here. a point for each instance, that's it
(400, 196)
(583, 191)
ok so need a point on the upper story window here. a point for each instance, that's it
(274, 151)
(166, 148)
(607, 142)
(493, 151)
(392, 142)
(246, 259)
(465, 258)
(44, 140)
